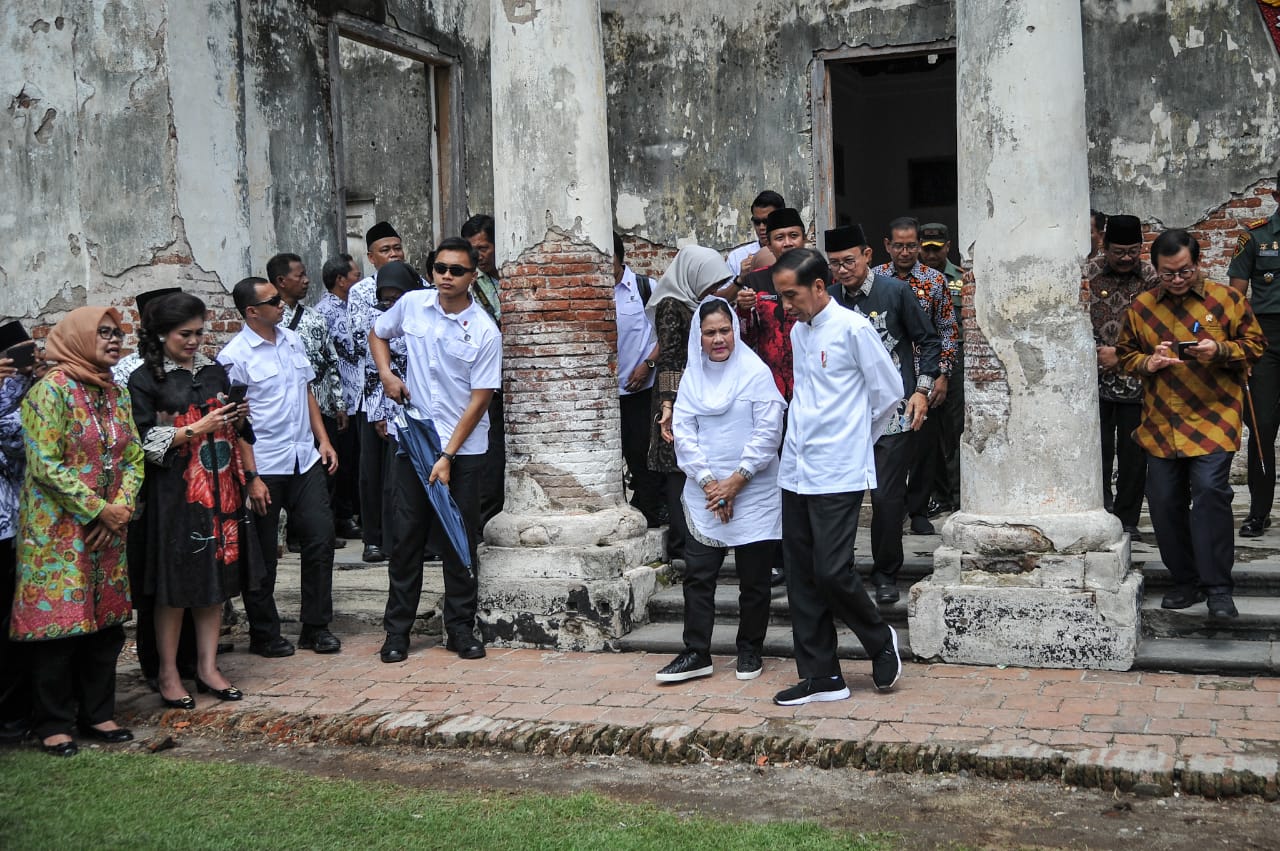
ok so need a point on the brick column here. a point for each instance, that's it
(1032, 571)
(566, 564)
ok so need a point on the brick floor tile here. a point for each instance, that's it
(960, 734)
(1071, 688)
(526, 711)
(1127, 693)
(1077, 739)
(1185, 695)
(1181, 726)
(387, 691)
(1086, 706)
(1162, 743)
(1113, 724)
(993, 718)
(1266, 684)
(938, 714)
(843, 729)
(732, 723)
(677, 717)
(578, 714)
(629, 716)
(627, 698)
(1249, 697)
(335, 705)
(1161, 680)
(1155, 709)
(1037, 702)
(897, 732)
(1214, 711)
(1255, 730)
(1128, 677)
(1259, 713)
(1052, 720)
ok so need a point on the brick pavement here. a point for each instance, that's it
(1139, 731)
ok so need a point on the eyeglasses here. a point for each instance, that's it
(106, 332)
(844, 263)
(274, 301)
(1181, 274)
(1132, 253)
(453, 269)
(758, 221)
(903, 246)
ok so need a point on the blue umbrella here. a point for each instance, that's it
(417, 438)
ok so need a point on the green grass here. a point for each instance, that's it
(138, 801)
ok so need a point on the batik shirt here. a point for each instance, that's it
(314, 331)
(13, 459)
(362, 310)
(124, 368)
(485, 291)
(934, 296)
(350, 369)
(1110, 295)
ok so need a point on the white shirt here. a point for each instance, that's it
(279, 377)
(846, 392)
(636, 337)
(449, 355)
(739, 255)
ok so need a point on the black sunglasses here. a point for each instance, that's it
(274, 301)
(759, 221)
(454, 269)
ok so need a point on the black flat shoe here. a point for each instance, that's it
(184, 702)
(61, 749)
(228, 693)
(111, 737)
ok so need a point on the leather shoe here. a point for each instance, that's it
(228, 693)
(111, 737)
(1135, 537)
(61, 749)
(348, 529)
(887, 593)
(276, 648)
(466, 645)
(1182, 598)
(1222, 606)
(184, 702)
(319, 639)
(373, 554)
(14, 732)
(777, 578)
(1253, 527)
(394, 649)
(920, 525)
(936, 507)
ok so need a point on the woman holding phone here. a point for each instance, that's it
(192, 512)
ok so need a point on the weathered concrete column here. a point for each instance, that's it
(1032, 571)
(565, 565)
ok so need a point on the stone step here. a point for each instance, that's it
(1209, 656)
(1252, 578)
(667, 606)
(1259, 620)
(666, 638)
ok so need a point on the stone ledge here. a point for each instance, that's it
(1141, 771)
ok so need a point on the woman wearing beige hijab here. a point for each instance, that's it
(84, 469)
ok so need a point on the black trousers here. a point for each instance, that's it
(144, 605)
(493, 484)
(15, 685)
(1264, 387)
(925, 458)
(415, 525)
(893, 457)
(646, 485)
(950, 414)
(702, 567)
(1119, 419)
(678, 528)
(818, 534)
(372, 452)
(306, 497)
(1190, 502)
(344, 485)
(73, 679)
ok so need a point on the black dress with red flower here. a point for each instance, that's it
(199, 550)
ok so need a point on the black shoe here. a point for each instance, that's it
(111, 737)
(228, 693)
(920, 525)
(395, 648)
(373, 554)
(348, 529)
(1182, 598)
(750, 665)
(937, 507)
(886, 668)
(466, 645)
(319, 639)
(819, 690)
(275, 648)
(886, 592)
(1135, 537)
(14, 732)
(225, 647)
(61, 749)
(294, 546)
(777, 578)
(689, 665)
(1222, 606)
(337, 543)
(1253, 527)
(185, 702)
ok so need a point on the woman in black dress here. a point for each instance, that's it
(197, 552)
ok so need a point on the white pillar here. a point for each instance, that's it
(1033, 570)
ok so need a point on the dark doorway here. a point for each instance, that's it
(893, 142)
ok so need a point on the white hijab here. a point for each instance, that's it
(689, 276)
(708, 389)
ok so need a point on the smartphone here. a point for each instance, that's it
(23, 354)
(235, 396)
(1185, 345)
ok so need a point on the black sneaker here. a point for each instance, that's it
(1253, 527)
(819, 690)
(275, 648)
(1222, 606)
(689, 665)
(886, 668)
(750, 665)
(319, 639)
(1182, 598)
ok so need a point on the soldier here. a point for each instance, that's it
(1255, 271)
(935, 251)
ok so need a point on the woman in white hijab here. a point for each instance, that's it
(727, 423)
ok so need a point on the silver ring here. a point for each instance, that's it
(722, 503)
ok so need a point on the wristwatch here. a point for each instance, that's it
(190, 433)
(250, 475)
(924, 383)
(651, 363)
(448, 455)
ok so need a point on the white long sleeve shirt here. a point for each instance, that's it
(846, 392)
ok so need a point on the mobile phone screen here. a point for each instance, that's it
(236, 394)
(23, 355)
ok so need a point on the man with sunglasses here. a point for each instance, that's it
(1191, 343)
(293, 457)
(454, 365)
(1115, 278)
(766, 202)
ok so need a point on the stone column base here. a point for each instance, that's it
(1043, 610)
(568, 581)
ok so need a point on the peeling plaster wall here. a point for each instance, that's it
(1182, 105)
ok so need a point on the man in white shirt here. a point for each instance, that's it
(293, 455)
(454, 358)
(766, 202)
(846, 392)
(637, 359)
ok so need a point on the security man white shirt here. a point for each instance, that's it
(278, 377)
(846, 392)
(448, 355)
(636, 337)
